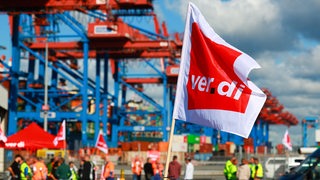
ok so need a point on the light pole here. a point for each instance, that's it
(45, 118)
(46, 106)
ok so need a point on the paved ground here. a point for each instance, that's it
(202, 172)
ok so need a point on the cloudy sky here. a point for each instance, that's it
(283, 36)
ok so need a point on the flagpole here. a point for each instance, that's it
(65, 148)
(169, 149)
(64, 122)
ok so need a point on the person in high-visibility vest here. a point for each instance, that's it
(73, 169)
(259, 170)
(230, 170)
(136, 167)
(252, 166)
(25, 170)
(226, 168)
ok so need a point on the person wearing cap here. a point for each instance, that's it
(189, 169)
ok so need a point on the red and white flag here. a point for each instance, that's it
(3, 137)
(286, 141)
(101, 143)
(213, 88)
(61, 136)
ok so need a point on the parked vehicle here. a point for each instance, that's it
(277, 166)
(273, 164)
(308, 169)
(294, 162)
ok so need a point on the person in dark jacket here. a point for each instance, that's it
(80, 170)
(14, 168)
(148, 170)
(88, 171)
(52, 168)
(63, 171)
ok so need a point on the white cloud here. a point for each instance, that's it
(283, 36)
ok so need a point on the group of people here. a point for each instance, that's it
(36, 169)
(154, 169)
(247, 170)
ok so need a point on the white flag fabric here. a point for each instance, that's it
(101, 143)
(286, 141)
(213, 88)
(3, 137)
(61, 136)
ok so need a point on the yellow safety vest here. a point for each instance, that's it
(253, 170)
(23, 166)
(226, 168)
(73, 174)
(232, 175)
(260, 171)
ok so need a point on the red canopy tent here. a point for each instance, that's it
(31, 137)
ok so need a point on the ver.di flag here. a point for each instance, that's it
(213, 88)
(101, 143)
(61, 136)
(286, 141)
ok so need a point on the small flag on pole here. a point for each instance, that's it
(101, 143)
(61, 136)
(213, 88)
(3, 137)
(286, 141)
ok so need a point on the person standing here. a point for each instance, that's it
(148, 169)
(157, 169)
(189, 169)
(40, 170)
(136, 168)
(52, 168)
(174, 169)
(63, 171)
(244, 172)
(252, 168)
(230, 170)
(14, 168)
(258, 170)
(227, 167)
(88, 171)
(108, 171)
(80, 170)
(25, 170)
(73, 169)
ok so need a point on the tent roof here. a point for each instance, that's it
(31, 137)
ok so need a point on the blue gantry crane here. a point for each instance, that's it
(88, 63)
(307, 123)
(81, 62)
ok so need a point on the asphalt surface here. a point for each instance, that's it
(201, 172)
